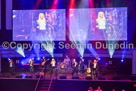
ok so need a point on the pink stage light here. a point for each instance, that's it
(37, 4)
(91, 4)
(54, 5)
(108, 3)
(134, 85)
(72, 4)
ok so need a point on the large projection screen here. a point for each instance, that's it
(98, 24)
(39, 25)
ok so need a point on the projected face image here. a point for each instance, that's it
(41, 22)
(39, 25)
(101, 21)
(98, 24)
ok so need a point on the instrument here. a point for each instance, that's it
(43, 63)
(89, 68)
(62, 66)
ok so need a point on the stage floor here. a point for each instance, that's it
(65, 76)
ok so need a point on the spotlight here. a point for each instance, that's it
(71, 15)
(38, 58)
(99, 58)
(14, 16)
(8, 59)
(20, 50)
(122, 60)
(106, 63)
(134, 85)
(22, 63)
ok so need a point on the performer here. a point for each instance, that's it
(11, 67)
(53, 64)
(101, 21)
(41, 22)
(43, 62)
(31, 64)
(95, 68)
(74, 65)
(81, 66)
(43, 65)
(41, 27)
(67, 62)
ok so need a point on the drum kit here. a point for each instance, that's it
(65, 64)
(64, 67)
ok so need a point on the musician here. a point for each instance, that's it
(31, 64)
(95, 68)
(74, 65)
(11, 67)
(43, 62)
(82, 65)
(41, 26)
(43, 65)
(67, 62)
(101, 21)
(41, 22)
(53, 65)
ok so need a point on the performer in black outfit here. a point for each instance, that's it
(43, 64)
(74, 65)
(95, 68)
(81, 65)
(11, 66)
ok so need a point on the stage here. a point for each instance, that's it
(67, 45)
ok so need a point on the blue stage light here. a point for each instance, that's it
(106, 63)
(38, 58)
(22, 63)
(122, 60)
(8, 59)
(20, 50)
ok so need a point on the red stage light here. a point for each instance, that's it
(72, 4)
(91, 4)
(108, 3)
(54, 5)
(37, 4)
(134, 85)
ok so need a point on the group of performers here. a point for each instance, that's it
(77, 67)
(92, 68)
